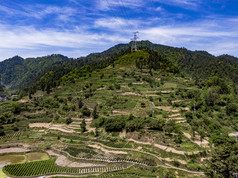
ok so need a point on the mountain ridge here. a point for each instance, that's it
(199, 65)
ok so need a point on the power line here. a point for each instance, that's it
(123, 8)
(115, 17)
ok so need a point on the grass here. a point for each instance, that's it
(13, 159)
(86, 151)
(37, 156)
(36, 135)
(2, 174)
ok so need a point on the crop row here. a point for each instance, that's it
(37, 168)
(9, 136)
(49, 167)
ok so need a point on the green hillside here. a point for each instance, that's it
(199, 65)
(19, 73)
(136, 114)
(16, 72)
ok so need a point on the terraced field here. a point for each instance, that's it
(113, 122)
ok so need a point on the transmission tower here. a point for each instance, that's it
(134, 40)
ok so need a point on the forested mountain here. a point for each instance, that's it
(199, 65)
(16, 72)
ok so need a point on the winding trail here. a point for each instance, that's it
(151, 154)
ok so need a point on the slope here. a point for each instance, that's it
(16, 72)
(133, 108)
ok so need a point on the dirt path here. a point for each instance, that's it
(61, 175)
(162, 147)
(175, 115)
(106, 150)
(39, 125)
(130, 94)
(179, 160)
(165, 108)
(166, 92)
(120, 112)
(13, 150)
(50, 126)
(138, 83)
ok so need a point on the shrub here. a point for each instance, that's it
(114, 125)
(68, 120)
(142, 104)
(85, 111)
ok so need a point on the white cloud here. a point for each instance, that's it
(25, 40)
(111, 4)
(119, 24)
(217, 36)
(187, 4)
(159, 9)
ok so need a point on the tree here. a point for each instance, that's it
(2, 133)
(114, 125)
(224, 161)
(95, 113)
(231, 108)
(83, 126)
(85, 111)
(157, 124)
(171, 126)
(68, 120)
(80, 103)
(211, 97)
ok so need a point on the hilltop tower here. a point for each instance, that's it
(134, 41)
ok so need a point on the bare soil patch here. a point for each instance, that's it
(120, 112)
(13, 150)
(130, 94)
(166, 92)
(23, 101)
(203, 143)
(123, 133)
(178, 118)
(102, 88)
(175, 115)
(138, 83)
(165, 108)
(65, 162)
(186, 109)
(162, 147)
(39, 125)
(179, 160)
(60, 127)
(176, 101)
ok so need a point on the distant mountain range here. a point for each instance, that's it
(18, 73)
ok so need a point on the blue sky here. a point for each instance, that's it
(76, 28)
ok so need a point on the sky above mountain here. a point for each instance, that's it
(76, 27)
